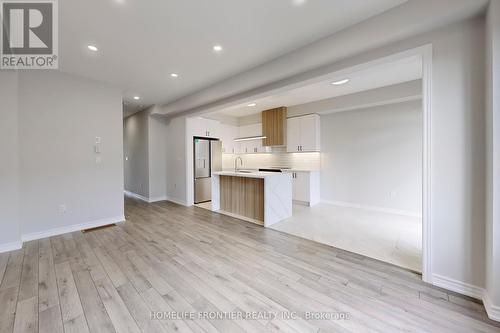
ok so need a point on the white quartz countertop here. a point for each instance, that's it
(253, 174)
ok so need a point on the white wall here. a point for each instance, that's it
(457, 152)
(59, 117)
(136, 150)
(493, 155)
(9, 174)
(157, 137)
(176, 160)
(373, 157)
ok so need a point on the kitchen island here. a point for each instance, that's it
(263, 198)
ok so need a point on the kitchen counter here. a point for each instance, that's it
(252, 174)
(263, 198)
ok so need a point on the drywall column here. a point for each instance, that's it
(157, 138)
(492, 297)
(10, 234)
(136, 150)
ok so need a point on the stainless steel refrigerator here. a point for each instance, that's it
(207, 159)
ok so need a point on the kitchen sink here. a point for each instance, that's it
(244, 171)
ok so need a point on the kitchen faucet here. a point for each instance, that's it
(236, 163)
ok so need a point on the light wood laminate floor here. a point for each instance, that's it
(191, 262)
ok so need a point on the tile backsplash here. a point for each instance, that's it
(301, 161)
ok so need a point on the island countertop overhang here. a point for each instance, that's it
(256, 174)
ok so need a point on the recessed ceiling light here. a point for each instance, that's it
(340, 82)
(174, 75)
(137, 98)
(252, 104)
(299, 2)
(217, 48)
(92, 48)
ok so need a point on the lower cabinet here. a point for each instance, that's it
(306, 187)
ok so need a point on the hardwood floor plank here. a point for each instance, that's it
(48, 296)
(71, 308)
(12, 275)
(4, 259)
(115, 307)
(139, 310)
(114, 272)
(50, 320)
(95, 312)
(157, 304)
(176, 259)
(27, 316)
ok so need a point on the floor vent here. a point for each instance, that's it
(99, 228)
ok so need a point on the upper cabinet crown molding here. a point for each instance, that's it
(274, 127)
(303, 134)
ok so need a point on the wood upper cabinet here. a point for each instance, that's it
(274, 127)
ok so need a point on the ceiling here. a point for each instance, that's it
(387, 74)
(141, 42)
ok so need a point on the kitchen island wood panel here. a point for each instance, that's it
(263, 198)
(243, 196)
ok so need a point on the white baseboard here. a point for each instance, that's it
(457, 286)
(467, 289)
(137, 196)
(492, 310)
(71, 228)
(12, 246)
(373, 208)
(162, 198)
(145, 199)
(177, 201)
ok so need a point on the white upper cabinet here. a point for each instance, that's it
(303, 133)
(203, 127)
(227, 134)
(251, 146)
